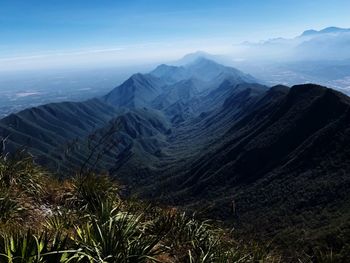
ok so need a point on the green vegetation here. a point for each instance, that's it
(83, 219)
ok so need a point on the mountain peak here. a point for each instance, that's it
(309, 32)
(334, 29)
(139, 77)
(201, 60)
(202, 67)
(169, 73)
(137, 91)
(163, 67)
(192, 57)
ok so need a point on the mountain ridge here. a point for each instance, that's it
(326, 30)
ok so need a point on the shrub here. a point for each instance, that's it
(120, 239)
(18, 171)
(32, 248)
(91, 190)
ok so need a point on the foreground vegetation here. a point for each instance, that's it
(83, 219)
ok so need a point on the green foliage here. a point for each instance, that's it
(185, 232)
(120, 239)
(200, 241)
(91, 190)
(59, 220)
(85, 220)
(9, 207)
(30, 248)
(19, 171)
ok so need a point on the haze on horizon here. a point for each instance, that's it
(40, 35)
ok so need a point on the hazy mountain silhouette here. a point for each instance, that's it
(328, 30)
(137, 91)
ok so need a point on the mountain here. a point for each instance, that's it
(282, 156)
(321, 57)
(191, 57)
(183, 90)
(47, 129)
(136, 92)
(327, 30)
(169, 73)
(57, 134)
(202, 135)
(328, 44)
(203, 69)
(285, 121)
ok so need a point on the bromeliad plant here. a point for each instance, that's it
(198, 241)
(119, 239)
(18, 171)
(90, 191)
(31, 248)
(9, 207)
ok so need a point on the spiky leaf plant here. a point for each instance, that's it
(90, 190)
(30, 248)
(120, 239)
(18, 171)
(9, 207)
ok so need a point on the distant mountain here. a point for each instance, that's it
(202, 69)
(329, 44)
(170, 74)
(321, 57)
(209, 70)
(191, 57)
(141, 90)
(137, 91)
(328, 30)
(51, 130)
(183, 90)
(46, 130)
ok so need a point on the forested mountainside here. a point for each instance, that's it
(203, 136)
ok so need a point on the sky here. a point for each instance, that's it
(84, 33)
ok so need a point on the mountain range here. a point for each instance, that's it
(314, 56)
(203, 135)
(330, 43)
(327, 30)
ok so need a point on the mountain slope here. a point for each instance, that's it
(285, 163)
(204, 70)
(138, 91)
(45, 129)
(128, 145)
(202, 135)
(49, 131)
(271, 139)
(171, 74)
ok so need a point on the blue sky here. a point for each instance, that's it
(49, 32)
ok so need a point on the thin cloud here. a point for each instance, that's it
(53, 54)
